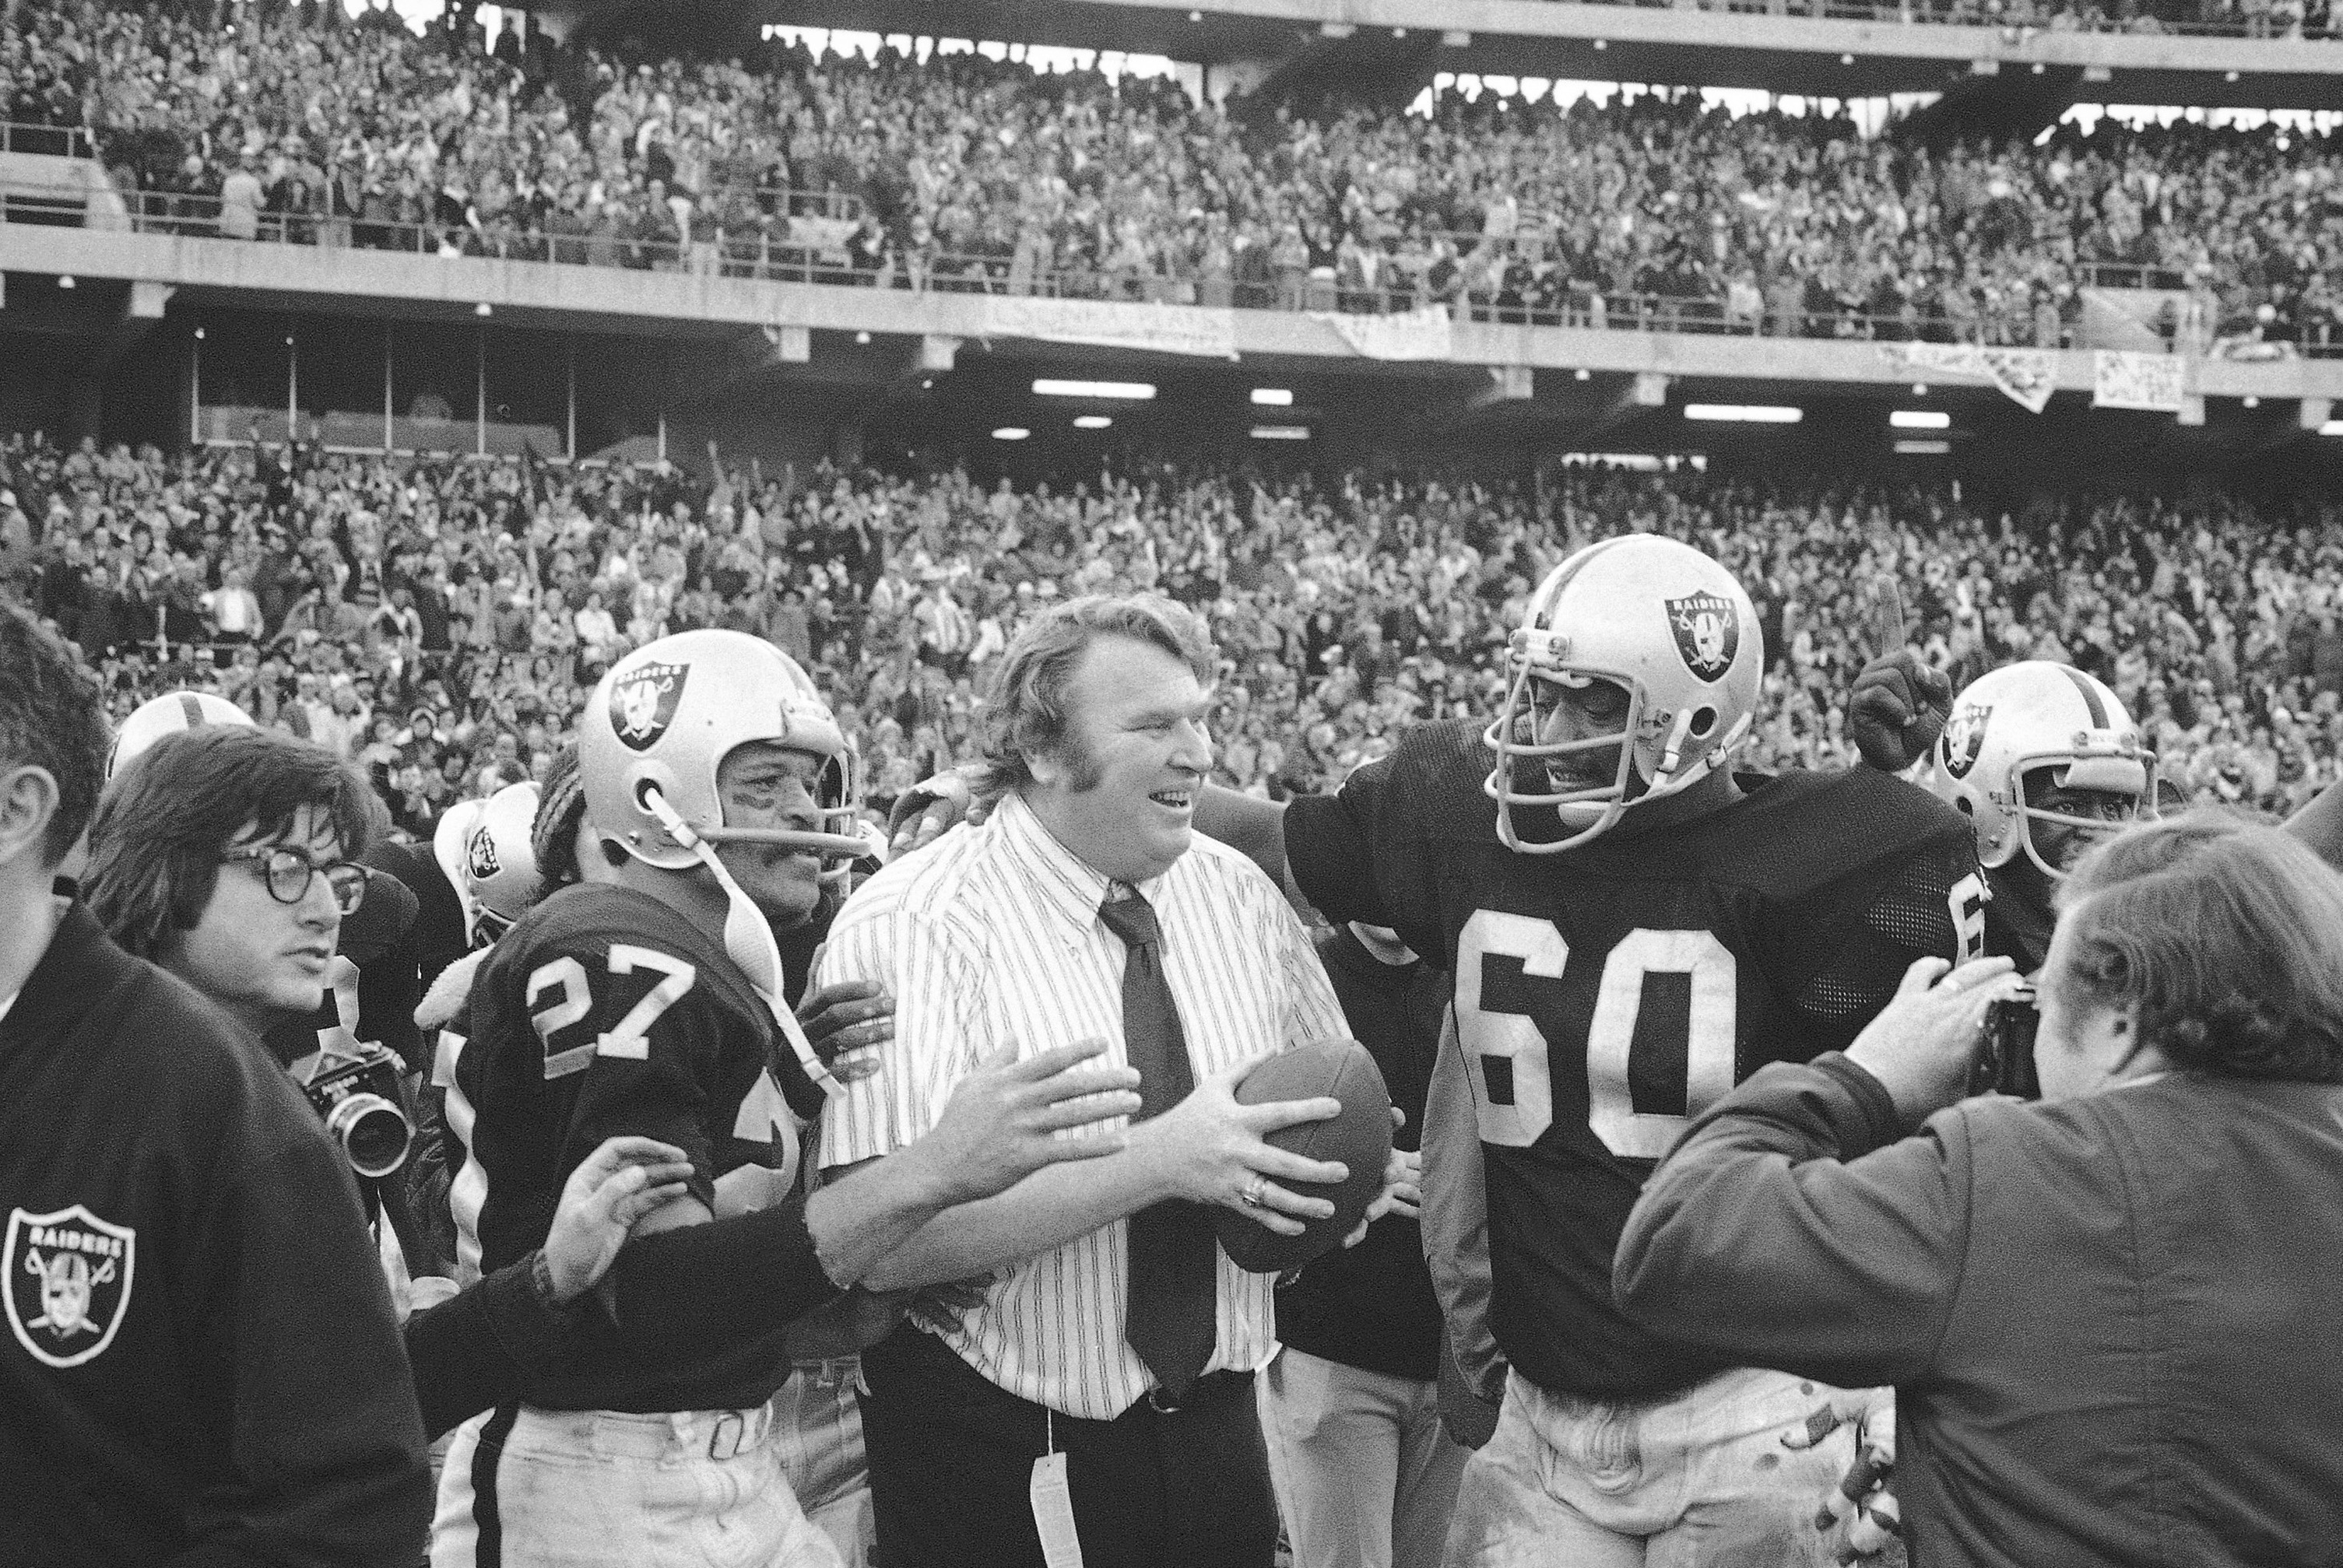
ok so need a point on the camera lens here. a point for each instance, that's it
(373, 1132)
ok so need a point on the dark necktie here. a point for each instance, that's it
(1168, 1317)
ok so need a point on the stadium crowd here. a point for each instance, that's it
(439, 621)
(961, 171)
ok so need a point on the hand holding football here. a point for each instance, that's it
(1361, 1138)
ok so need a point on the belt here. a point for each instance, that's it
(1162, 1403)
(1617, 1403)
(721, 1435)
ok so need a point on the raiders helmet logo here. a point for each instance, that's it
(1708, 633)
(68, 1283)
(642, 702)
(480, 860)
(1964, 737)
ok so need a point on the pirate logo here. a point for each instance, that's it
(68, 1283)
(642, 702)
(1964, 737)
(1708, 633)
(480, 856)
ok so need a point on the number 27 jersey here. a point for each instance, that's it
(1606, 995)
(603, 1013)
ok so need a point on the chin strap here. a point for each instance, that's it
(748, 942)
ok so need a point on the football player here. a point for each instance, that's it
(2042, 758)
(647, 999)
(494, 848)
(1632, 930)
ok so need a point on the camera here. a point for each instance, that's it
(2005, 1059)
(358, 1094)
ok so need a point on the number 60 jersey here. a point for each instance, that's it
(1606, 995)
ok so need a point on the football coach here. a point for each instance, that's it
(200, 1364)
(2112, 1316)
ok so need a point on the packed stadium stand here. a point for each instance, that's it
(964, 174)
(397, 383)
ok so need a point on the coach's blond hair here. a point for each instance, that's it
(1025, 713)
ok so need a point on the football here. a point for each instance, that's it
(1361, 1138)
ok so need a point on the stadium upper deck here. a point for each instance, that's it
(2274, 54)
(774, 217)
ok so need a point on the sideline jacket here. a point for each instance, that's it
(200, 1364)
(2115, 1322)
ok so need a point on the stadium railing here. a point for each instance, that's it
(837, 256)
(2033, 18)
(2129, 275)
(47, 141)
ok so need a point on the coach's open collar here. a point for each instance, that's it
(1073, 887)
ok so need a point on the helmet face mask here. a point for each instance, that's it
(2072, 832)
(1574, 794)
(1669, 629)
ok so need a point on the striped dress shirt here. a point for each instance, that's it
(991, 936)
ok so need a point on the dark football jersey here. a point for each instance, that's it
(606, 1012)
(1606, 995)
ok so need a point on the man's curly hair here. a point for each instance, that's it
(553, 835)
(2224, 936)
(1026, 714)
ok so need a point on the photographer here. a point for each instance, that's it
(2109, 1315)
(188, 811)
(203, 1365)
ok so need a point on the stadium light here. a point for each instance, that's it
(1012, 433)
(66, 281)
(1582, 373)
(2252, 402)
(1743, 413)
(1129, 391)
(1920, 419)
(1281, 432)
(1922, 449)
(482, 309)
(1272, 397)
(1092, 422)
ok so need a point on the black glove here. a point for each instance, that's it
(1898, 709)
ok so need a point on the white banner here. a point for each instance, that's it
(1163, 329)
(2026, 376)
(2129, 379)
(1423, 333)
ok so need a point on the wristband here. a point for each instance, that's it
(540, 1281)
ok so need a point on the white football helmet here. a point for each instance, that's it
(499, 863)
(2036, 715)
(447, 841)
(666, 715)
(1670, 627)
(654, 734)
(167, 715)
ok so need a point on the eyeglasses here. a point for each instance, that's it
(288, 871)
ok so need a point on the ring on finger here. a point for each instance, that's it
(1254, 1191)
